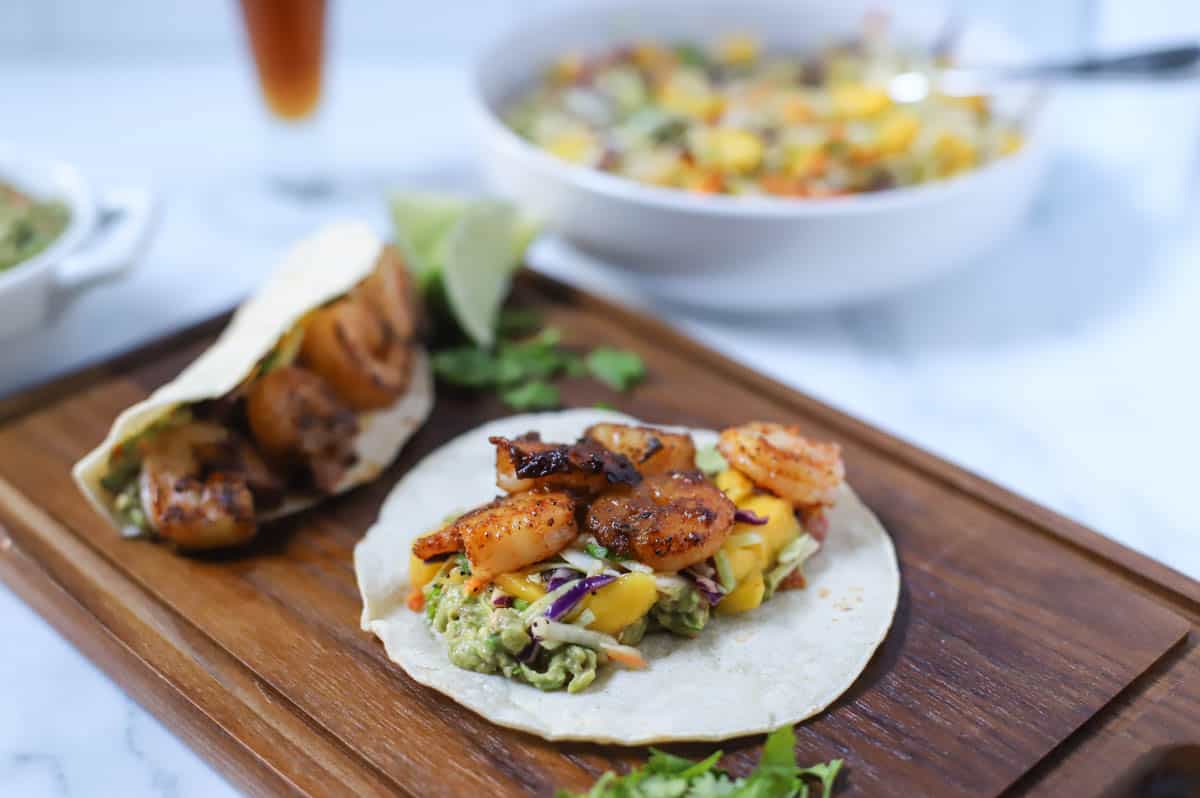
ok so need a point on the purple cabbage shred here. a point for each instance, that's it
(567, 601)
(749, 517)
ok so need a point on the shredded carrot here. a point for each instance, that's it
(416, 600)
(629, 658)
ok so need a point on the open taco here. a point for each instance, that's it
(312, 388)
(630, 584)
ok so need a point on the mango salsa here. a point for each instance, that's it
(781, 527)
(620, 603)
(518, 584)
(738, 48)
(897, 132)
(727, 117)
(735, 485)
(746, 596)
(858, 100)
(420, 572)
(745, 559)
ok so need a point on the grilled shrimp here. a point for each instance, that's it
(505, 535)
(184, 505)
(527, 463)
(651, 450)
(669, 521)
(352, 348)
(390, 294)
(298, 420)
(777, 458)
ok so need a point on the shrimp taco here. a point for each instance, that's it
(312, 389)
(630, 584)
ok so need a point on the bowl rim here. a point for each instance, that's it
(72, 189)
(672, 199)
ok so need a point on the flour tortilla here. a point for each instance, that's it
(318, 269)
(776, 665)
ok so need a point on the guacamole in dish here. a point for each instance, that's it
(27, 225)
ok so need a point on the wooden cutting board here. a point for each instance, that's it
(1028, 654)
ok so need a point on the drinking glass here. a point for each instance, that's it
(287, 41)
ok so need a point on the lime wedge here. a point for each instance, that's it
(463, 252)
(422, 221)
(480, 258)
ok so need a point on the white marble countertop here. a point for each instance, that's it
(1063, 365)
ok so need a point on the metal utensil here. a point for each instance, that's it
(1156, 64)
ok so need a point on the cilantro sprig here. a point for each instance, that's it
(522, 370)
(668, 776)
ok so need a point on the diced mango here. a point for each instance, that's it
(567, 69)
(897, 132)
(746, 596)
(620, 603)
(735, 484)
(690, 96)
(858, 100)
(577, 146)
(781, 527)
(702, 181)
(745, 560)
(518, 584)
(736, 150)
(954, 153)
(653, 57)
(796, 110)
(738, 48)
(1010, 142)
(806, 160)
(420, 572)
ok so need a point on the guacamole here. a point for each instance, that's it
(489, 639)
(27, 226)
(684, 613)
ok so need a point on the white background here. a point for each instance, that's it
(1063, 365)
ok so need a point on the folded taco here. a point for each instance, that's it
(629, 584)
(312, 388)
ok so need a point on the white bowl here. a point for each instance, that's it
(750, 253)
(104, 236)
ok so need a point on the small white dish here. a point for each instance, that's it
(742, 253)
(106, 232)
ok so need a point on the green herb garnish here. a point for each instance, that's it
(521, 371)
(668, 776)
(515, 322)
(520, 604)
(596, 550)
(617, 368)
(535, 395)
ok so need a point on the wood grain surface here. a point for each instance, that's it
(1028, 655)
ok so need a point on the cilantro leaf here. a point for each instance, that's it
(597, 551)
(518, 321)
(617, 368)
(827, 772)
(668, 776)
(780, 749)
(532, 395)
(467, 366)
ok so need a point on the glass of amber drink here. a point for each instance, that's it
(287, 41)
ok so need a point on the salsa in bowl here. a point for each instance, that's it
(730, 117)
(745, 248)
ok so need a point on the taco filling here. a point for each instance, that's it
(627, 532)
(205, 472)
